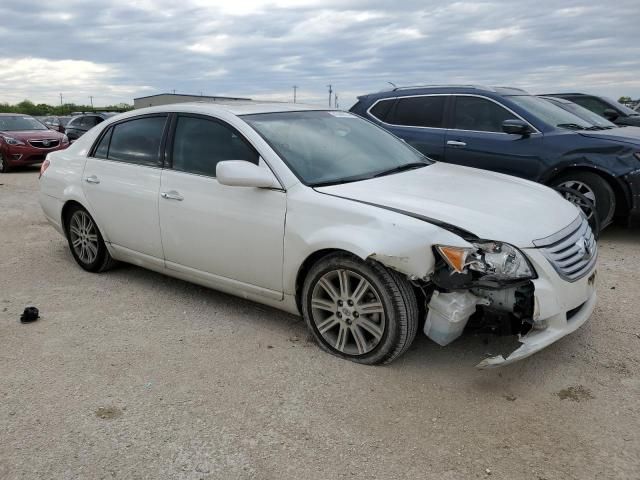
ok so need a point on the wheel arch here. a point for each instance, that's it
(308, 263)
(619, 188)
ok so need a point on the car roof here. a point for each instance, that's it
(235, 108)
(575, 94)
(15, 115)
(555, 99)
(427, 89)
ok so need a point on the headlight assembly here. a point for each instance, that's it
(11, 140)
(492, 260)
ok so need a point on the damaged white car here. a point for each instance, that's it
(321, 213)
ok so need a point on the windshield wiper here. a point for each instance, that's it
(571, 126)
(401, 168)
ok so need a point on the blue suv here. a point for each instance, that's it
(509, 131)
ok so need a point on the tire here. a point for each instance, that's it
(374, 322)
(90, 251)
(590, 186)
(4, 165)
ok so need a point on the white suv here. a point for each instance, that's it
(324, 214)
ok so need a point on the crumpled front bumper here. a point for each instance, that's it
(561, 308)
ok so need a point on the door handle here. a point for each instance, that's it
(456, 143)
(92, 179)
(172, 195)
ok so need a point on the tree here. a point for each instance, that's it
(625, 99)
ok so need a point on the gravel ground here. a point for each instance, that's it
(131, 374)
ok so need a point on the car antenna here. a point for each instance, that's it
(392, 84)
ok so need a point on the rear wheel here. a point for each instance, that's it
(359, 310)
(589, 192)
(85, 241)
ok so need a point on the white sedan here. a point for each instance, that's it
(323, 214)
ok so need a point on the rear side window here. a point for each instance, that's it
(136, 141)
(381, 109)
(480, 115)
(419, 111)
(199, 145)
(102, 150)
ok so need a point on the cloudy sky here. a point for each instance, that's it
(120, 49)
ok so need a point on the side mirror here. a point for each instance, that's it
(240, 173)
(610, 114)
(516, 127)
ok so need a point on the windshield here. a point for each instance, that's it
(330, 147)
(550, 113)
(587, 115)
(17, 123)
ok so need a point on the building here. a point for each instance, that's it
(169, 98)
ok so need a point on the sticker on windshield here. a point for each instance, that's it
(342, 114)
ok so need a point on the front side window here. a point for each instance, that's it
(549, 112)
(590, 103)
(134, 141)
(479, 114)
(324, 147)
(419, 111)
(199, 145)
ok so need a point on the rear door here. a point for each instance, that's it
(418, 120)
(475, 139)
(121, 182)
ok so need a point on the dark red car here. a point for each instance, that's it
(25, 141)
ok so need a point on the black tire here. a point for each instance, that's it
(102, 260)
(601, 191)
(395, 293)
(4, 165)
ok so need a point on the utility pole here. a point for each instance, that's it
(335, 101)
(330, 92)
(295, 89)
(174, 91)
(91, 98)
(61, 100)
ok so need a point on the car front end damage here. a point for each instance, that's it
(539, 294)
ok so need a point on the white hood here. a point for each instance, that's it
(490, 205)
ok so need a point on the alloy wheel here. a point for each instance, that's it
(348, 312)
(585, 198)
(84, 237)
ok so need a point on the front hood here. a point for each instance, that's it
(490, 205)
(25, 135)
(623, 134)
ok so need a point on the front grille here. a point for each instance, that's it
(44, 143)
(572, 251)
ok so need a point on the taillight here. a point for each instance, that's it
(43, 167)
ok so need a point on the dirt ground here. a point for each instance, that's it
(133, 375)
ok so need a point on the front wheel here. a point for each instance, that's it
(85, 241)
(360, 311)
(4, 165)
(589, 192)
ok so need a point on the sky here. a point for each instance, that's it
(121, 49)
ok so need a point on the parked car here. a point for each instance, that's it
(25, 141)
(597, 122)
(509, 131)
(55, 122)
(603, 106)
(80, 124)
(323, 214)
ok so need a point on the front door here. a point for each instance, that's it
(233, 233)
(476, 139)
